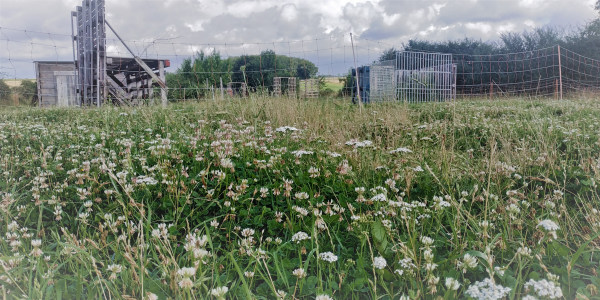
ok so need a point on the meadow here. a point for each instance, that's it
(265, 198)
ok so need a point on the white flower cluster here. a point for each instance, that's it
(401, 150)
(219, 292)
(487, 290)
(379, 198)
(379, 263)
(548, 225)
(468, 262)
(358, 144)
(299, 153)
(286, 128)
(544, 288)
(452, 284)
(328, 257)
(299, 236)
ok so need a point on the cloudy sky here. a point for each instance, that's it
(314, 29)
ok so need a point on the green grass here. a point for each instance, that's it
(179, 202)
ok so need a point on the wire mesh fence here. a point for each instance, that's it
(215, 71)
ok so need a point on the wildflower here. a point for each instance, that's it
(323, 297)
(114, 270)
(452, 284)
(400, 150)
(299, 236)
(418, 169)
(524, 251)
(219, 292)
(301, 196)
(379, 263)
(427, 241)
(300, 273)
(548, 225)
(249, 274)
(185, 283)
(379, 198)
(280, 294)
(544, 288)
(186, 272)
(468, 262)
(247, 232)
(150, 296)
(328, 257)
(299, 153)
(214, 223)
(358, 144)
(286, 128)
(487, 290)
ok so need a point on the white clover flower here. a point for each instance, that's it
(249, 274)
(548, 225)
(452, 284)
(323, 297)
(186, 283)
(280, 294)
(427, 241)
(379, 198)
(468, 262)
(286, 128)
(150, 296)
(328, 257)
(214, 223)
(36, 243)
(186, 272)
(300, 273)
(418, 169)
(301, 196)
(300, 153)
(487, 290)
(219, 292)
(544, 288)
(247, 232)
(524, 251)
(401, 150)
(300, 236)
(379, 263)
(529, 297)
(430, 266)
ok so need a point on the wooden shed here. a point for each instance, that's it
(56, 83)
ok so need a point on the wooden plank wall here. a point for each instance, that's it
(47, 84)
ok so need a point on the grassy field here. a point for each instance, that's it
(333, 83)
(285, 199)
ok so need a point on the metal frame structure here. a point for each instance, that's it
(122, 80)
(425, 77)
(90, 54)
(310, 88)
(382, 81)
(284, 85)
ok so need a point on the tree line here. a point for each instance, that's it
(203, 72)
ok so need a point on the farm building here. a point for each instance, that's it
(126, 81)
(56, 83)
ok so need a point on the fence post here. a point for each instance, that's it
(356, 71)
(491, 90)
(560, 85)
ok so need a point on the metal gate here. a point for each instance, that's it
(425, 77)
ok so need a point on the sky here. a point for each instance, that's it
(318, 30)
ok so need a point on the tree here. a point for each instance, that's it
(28, 92)
(389, 54)
(4, 91)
